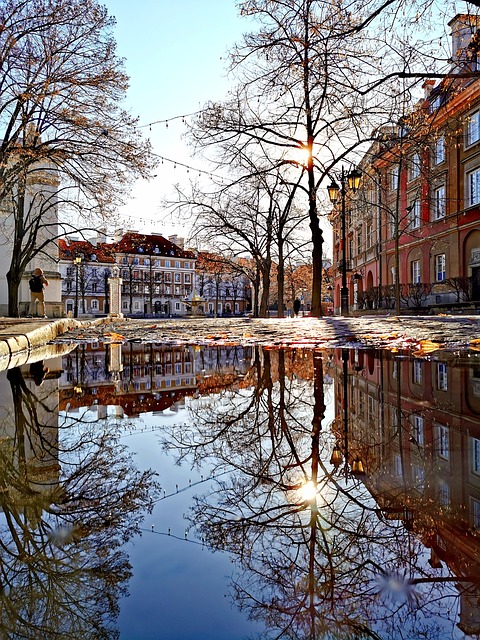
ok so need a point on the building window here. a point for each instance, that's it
(70, 272)
(394, 179)
(167, 263)
(188, 278)
(443, 493)
(418, 430)
(94, 287)
(439, 203)
(94, 305)
(414, 171)
(125, 304)
(442, 379)
(177, 264)
(417, 371)
(475, 449)
(136, 305)
(475, 512)
(178, 277)
(440, 268)
(439, 155)
(359, 240)
(416, 271)
(369, 234)
(442, 441)
(473, 187)
(473, 128)
(414, 214)
(187, 265)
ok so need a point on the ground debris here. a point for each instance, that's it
(421, 335)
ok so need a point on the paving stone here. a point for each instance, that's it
(392, 332)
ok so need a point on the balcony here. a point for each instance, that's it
(348, 264)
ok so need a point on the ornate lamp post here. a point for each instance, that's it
(353, 178)
(77, 261)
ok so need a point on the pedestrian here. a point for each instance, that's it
(38, 372)
(37, 284)
(296, 307)
(289, 308)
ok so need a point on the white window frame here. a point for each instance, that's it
(416, 272)
(417, 371)
(439, 155)
(414, 215)
(440, 267)
(439, 200)
(442, 433)
(442, 376)
(414, 171)
(394, 179)
(473, 187)
(473, 128)
(418, 429)
(475, 451)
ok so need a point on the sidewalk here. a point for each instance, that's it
(403, 332)
(20, 337)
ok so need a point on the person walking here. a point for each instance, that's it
(289, 308)
(296, 307)
(37, 284)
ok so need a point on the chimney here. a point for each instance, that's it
(102, 235)
(180, 242)
(117, 235)
(427, 88)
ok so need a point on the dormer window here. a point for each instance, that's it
(93, 257)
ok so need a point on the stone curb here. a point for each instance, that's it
(19, 338)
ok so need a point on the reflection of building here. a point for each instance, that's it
(150, 377)
(29, 426)
(415, 425)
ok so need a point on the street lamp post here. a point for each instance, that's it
(353, 179)
(77, 262)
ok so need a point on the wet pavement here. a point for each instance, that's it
(391, 332)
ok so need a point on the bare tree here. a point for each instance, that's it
(65, 139)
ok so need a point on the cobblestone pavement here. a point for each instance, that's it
(392, 332)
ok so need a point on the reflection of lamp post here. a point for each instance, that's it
(353, 178)
(77, 262)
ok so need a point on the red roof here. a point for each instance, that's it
(103, 251)
(150, 245)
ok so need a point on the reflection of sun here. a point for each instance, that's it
(299, 156)
(308, 491)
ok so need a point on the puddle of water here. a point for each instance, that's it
(293, 493)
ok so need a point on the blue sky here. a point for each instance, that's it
(175, 55)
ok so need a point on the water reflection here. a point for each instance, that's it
(344, 484)
(70, 497)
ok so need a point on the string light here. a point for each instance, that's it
(167, 120)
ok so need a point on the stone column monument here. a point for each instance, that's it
(115, 287)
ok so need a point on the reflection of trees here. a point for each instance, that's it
(326, 565)
(70, 497)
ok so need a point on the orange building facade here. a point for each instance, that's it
(413, 228)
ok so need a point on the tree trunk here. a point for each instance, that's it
(13, 281)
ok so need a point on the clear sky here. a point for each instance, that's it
(175, 55)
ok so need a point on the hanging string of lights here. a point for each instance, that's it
(168, 120)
